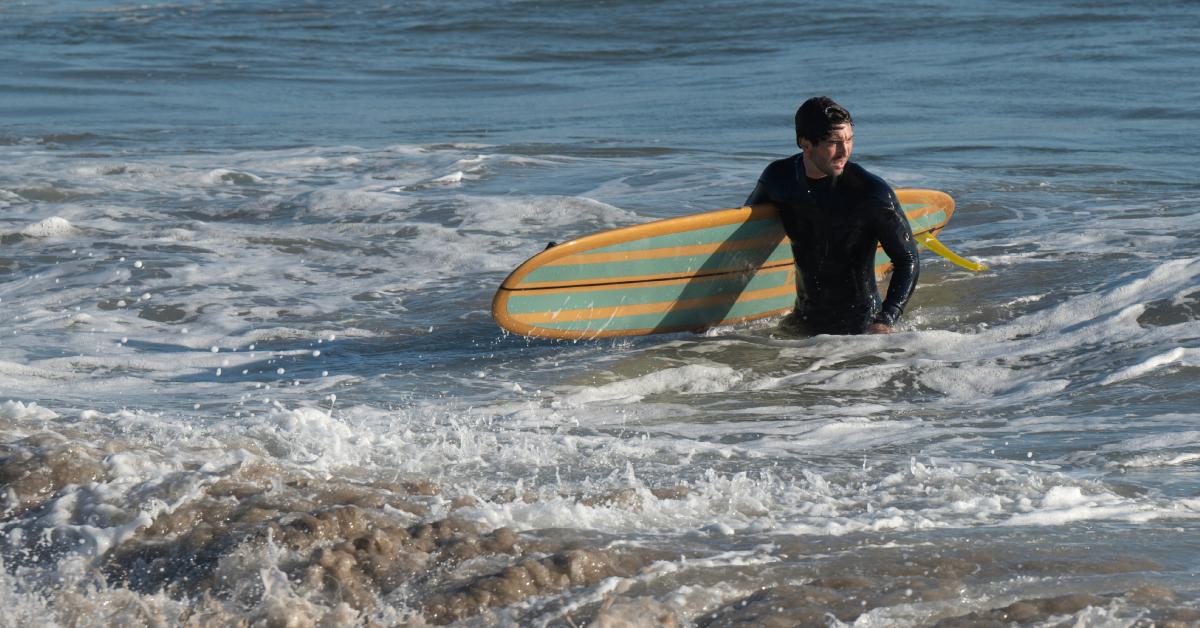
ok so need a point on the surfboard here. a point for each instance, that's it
(688, 273)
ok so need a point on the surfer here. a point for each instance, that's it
(835, 212)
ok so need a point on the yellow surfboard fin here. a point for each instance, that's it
(932, 244)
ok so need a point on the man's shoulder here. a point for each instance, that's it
(781, 168)
(869, 185)
(863, 178)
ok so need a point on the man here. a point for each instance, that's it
(835, 213)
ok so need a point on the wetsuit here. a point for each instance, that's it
(834, 224)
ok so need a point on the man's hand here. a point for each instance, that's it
(878, 328)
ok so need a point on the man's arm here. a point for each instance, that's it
(766, 189)
(759, 195)
(895, 235)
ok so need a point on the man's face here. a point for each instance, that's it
(828, 157)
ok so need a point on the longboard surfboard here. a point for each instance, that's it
(688, 273)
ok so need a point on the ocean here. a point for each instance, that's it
(249, 375)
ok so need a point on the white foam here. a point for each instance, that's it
(521, 215)
(54, 226)
(8, 198)
(450, 179)
(1178, 355)
(15, 370)
(309, 436)
(105, 514)
(226, 176)
(974, 382)
(1160, 460)
(335, 202)
(1176, 438)
(22, 603)
(689, 379)
(18, 411)
(1061, 505)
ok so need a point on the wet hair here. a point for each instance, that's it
(816, 118)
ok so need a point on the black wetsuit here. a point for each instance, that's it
(834, 224)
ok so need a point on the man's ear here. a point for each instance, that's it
(804, 144)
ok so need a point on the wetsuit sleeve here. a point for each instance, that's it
(759, 195)
(896, 238)
(766, 190)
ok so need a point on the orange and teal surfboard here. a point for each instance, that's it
(679, 274)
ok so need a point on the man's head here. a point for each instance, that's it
(825, 132)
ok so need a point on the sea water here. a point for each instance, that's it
(248, 373)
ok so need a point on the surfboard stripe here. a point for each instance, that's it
(751, 230)
(605, 256)
(777, 260)
(707, 303)
(652, 269)
(694, 318)
(524, 302)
